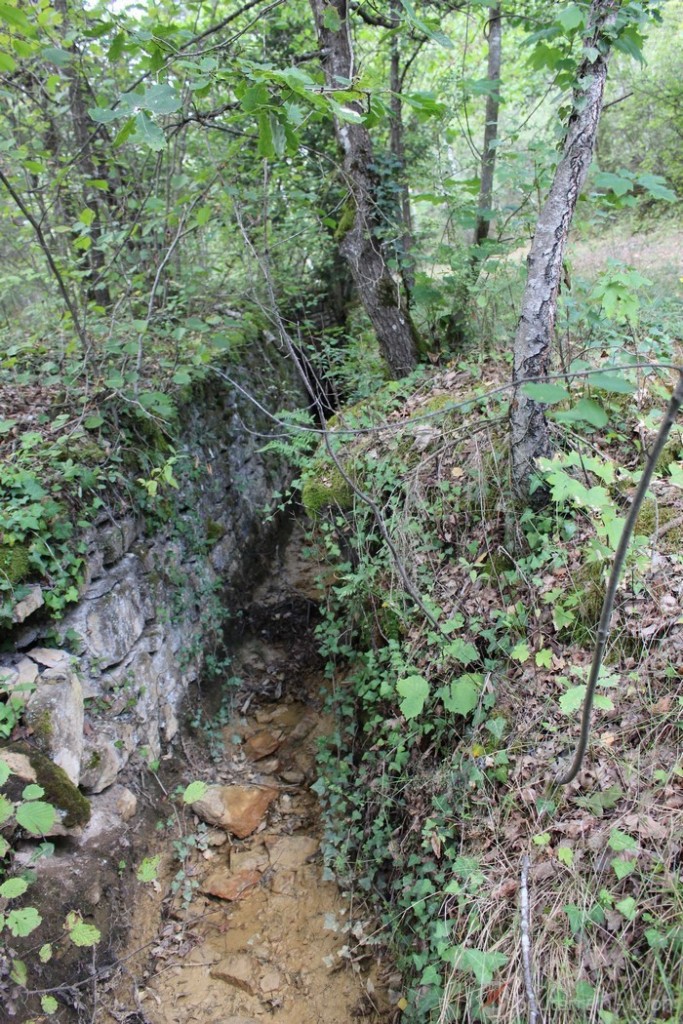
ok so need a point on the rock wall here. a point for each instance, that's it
(103, 686)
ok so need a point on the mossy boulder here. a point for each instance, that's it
(59, 790)
(325, 488)
(653, 522)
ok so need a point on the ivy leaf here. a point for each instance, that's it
(148, 870)
(13, 887)
(621, 841)
(80, 933)
(479, 963)
(414, 690)
(23, 922)
(462, 651)
(36, 817)
(195, 791)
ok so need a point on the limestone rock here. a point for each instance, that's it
(290, 852)
(50, 657)
(31, 603)
(238, 809)
(55, 713)
(101, 763)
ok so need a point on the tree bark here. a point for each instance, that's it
(488, 157)
(397, 147)
(529, 436)
(360, 246)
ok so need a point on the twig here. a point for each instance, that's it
(526, 940)
(613, 582)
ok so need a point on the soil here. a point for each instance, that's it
(279, 942)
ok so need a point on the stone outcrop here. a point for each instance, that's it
(107, 693)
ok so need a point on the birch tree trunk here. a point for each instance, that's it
(529, 437)
(488, 157)
(380, 294)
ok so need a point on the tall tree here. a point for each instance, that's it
(360, 246)
(529, 437)
(488, 156)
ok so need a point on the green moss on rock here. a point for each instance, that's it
(58, 788)
(14, 562)
(325, 488)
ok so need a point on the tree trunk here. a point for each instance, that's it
(397, 147)
(379, 292)
(488, 157)
(529, 437)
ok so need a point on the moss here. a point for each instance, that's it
(59, 789)
(14, 562)
(346, 221)
(652, 518)
(215, 531)
(93, 761)
(387, 292)
(42, 728)
(590, 589)
(324, 489)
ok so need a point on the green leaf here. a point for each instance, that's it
(116, 47)
(93, 422)
(621, 841)
(15, 18)
(32, 792)
(462, 651)
(23, 922)
(161, 99)
(19, 973)
(182, 377)
(656, 186)
(425, 27)
(86, 216)
(617, 183)
(195, 791)
(149, 868)
(520, 652)
(36, 817)
(13, 887)
(49, 1004)
(103, 115)
(462, 696)
(544, 658)
(55, 55)
(80, 933)
(628, 907)
(586, 410)
(4, 775)
(571, 18)
(7, 63)
(548, 394)
(45, 953)
(572, 699)
(622, 867)
(565, 855)
(613, 384)
(479, 963)
(265, 148)
(149, 133)
(414, 690)
(331, 19)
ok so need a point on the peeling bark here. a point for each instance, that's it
(380, 294)
(529, 437)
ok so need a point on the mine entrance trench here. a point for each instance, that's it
(240, 925)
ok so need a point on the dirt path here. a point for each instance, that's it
(264, 938)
